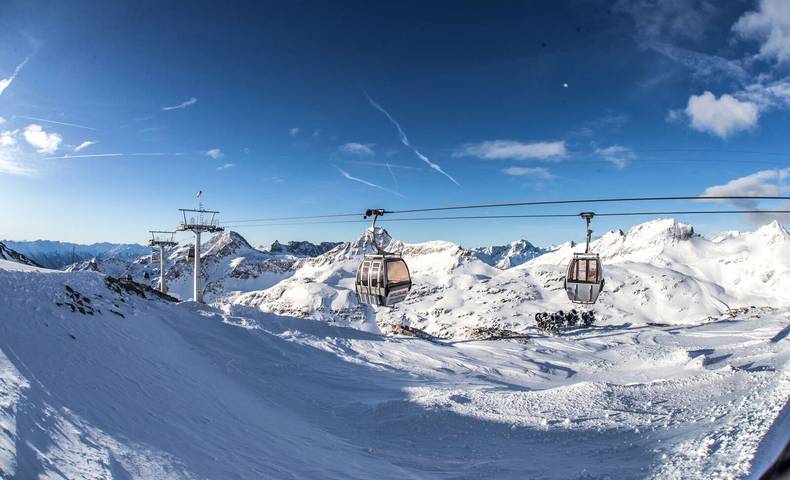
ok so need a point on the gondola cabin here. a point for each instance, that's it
(383, 280)
(584, 279)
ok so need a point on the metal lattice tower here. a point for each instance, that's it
(162, 240)
(206, 221)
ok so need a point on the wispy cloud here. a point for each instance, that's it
(770, 25)
(2, 120)
(702, 65)
(365, 182)
(100, 155)
(539, 172)
(513, 150)
(8, 138)
(762, 183)
(76, 125)
(226, 166)
(294, 131)
(84, 145)
(215, 153)
(43, 142)
(184, 104)
(354, 148)
(405, 140)
(618, 155)
(10, 167)
(6, 82)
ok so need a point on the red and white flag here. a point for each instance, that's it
(199, 194)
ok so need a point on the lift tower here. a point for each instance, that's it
(206, 221)
(162, 240)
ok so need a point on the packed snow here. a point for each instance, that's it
(685, 374)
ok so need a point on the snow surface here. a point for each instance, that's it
(101, 379)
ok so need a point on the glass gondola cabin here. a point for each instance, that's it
(383, 280)
(584, 279)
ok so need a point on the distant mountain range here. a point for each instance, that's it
(58, 255)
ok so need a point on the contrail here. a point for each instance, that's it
(378, 164)
(365, 182)
(394, 179)
(184, 104)
(97, 155)
(405, 140)
(6, 82)
(55, 121)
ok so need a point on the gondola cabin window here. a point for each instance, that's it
(584, 270)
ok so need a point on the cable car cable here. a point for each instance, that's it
(517, 204)
(537, 215)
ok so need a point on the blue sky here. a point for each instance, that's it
(294, 108)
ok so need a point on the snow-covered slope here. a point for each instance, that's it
(659, 271)
(11, 255)
(51, 254)
(507, 256)
(104, 379)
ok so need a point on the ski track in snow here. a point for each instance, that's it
(189, 391)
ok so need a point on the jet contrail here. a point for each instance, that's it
(379, 164)
(55, 121)
(96, 155)
(394, 179)
(6, 82)
(365, 182)
(405, 140)
(184, 104)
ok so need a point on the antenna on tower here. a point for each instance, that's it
(162, 240)
(206, 222)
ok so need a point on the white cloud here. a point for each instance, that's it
(2, 120)
(215, 153)
(512, 150)
(616, 154)
(294, 131)
(765, 183)
(43, 142)
(528, 171)
(184, 104)
(354, 148)
(226, 166)
(84, 145)
(770, 25)
(721, 116)
(6, 82)
(8, 138)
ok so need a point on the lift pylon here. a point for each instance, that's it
(204, 221)
(162, 239)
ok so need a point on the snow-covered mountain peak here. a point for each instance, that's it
(773, 232)
(360, 246)
(507, 256)
(225, 243)
(300, 248)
